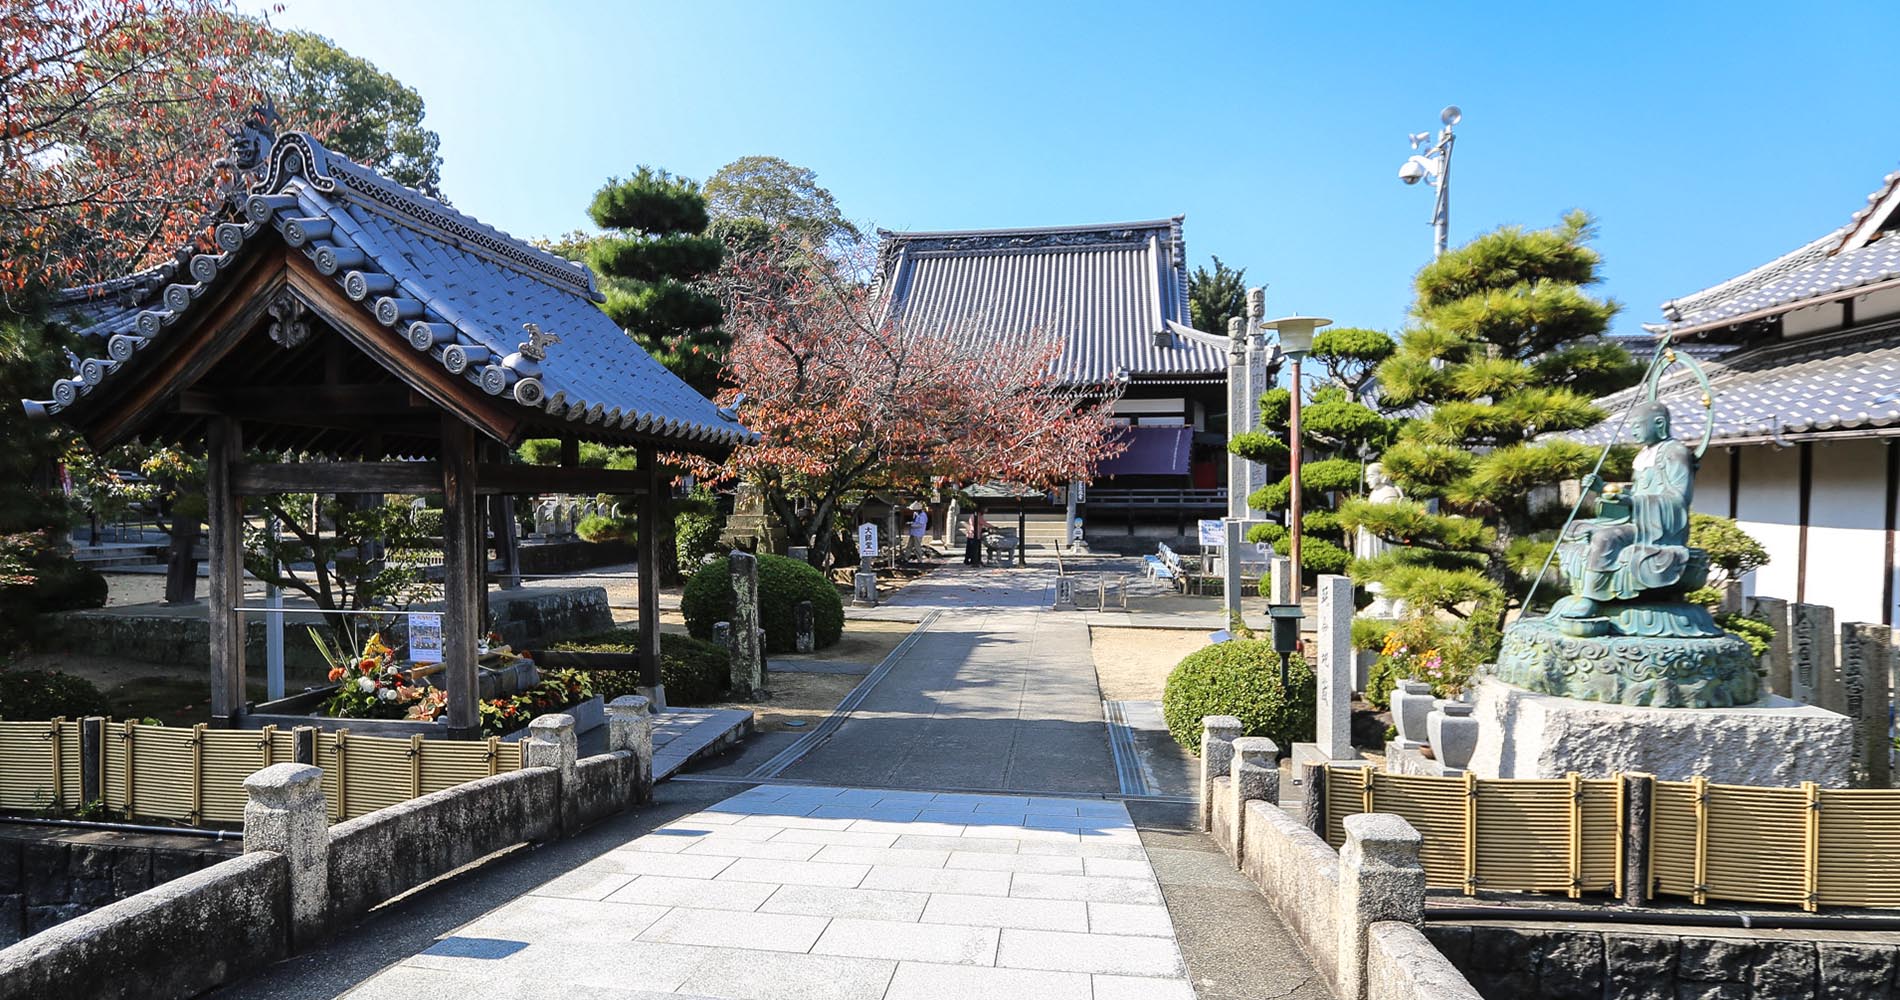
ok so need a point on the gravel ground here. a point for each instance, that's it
(1132, 664)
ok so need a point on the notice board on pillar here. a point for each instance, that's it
(425, 637)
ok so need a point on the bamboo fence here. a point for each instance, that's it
(1808, 847)
(196, 775)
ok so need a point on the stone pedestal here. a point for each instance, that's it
(1065, 594)
(864, 589)
(1713, 671)
(1523, 734)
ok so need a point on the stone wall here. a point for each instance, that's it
(601, 784)
(176, 940)
(1355, 912)
(393, 850)
(1507, 962)
(49, 874)
(1402, 964)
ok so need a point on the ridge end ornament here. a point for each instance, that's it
(535, 348)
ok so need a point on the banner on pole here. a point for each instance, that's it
(1213, 534)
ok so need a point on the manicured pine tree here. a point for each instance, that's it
(1338, 433)
(1506, 347)
(652, 259)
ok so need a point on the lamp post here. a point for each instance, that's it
(1296, 338)
(1434, 168)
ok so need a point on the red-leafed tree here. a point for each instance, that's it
(109, 112)
(844, 396)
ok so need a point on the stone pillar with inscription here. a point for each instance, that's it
(1779, 659)
(1861, 687)
(1810, 630)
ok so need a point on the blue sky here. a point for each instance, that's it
(1706, 137)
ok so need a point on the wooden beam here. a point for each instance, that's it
(571, 452)
(648, 527)
(223, 444)
(339, 477)
(463, 568)
(498, 419)
(517, 479)
(274, 402)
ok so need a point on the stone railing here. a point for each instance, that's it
(1357, 913)
(301, 878)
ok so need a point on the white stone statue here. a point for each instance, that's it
(1365, 545)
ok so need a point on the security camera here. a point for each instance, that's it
(1412, 172)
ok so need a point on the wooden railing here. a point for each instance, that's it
(1159, 499)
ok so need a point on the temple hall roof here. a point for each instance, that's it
(1110, 292)
(463, 295)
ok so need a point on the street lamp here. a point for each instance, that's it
(1434, 168)
(1296, 338)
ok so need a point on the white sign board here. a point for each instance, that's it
(1213, 534)
(425, 637)
(867, 539)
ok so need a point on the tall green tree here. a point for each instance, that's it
(779, 193)
(1506, 346)
(655, 257)
(1216, 296)
(361, 111)
(1350, 356)
(1337, 434)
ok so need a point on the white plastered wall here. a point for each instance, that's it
(1847, 521)
(1769, 508)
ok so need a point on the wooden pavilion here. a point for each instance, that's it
(399, 346)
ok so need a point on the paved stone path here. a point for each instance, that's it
(821, 892)
(998, 694)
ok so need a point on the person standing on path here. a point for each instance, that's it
(919, 524)
(973, 547)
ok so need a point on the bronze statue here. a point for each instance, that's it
(1626, 633)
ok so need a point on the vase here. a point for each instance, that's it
(1453, 733)
(1411, 703)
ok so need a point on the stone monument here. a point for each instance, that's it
(1365, 545)
(1625, 674)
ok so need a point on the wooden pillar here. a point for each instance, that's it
(501, 518)
(463, 568)
(651, 506)
(224, 444)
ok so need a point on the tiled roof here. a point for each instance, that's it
(1841, 383)
(1109, 292)
(458, 291)
(1852, 256)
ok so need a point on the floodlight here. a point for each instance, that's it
(1451, 115)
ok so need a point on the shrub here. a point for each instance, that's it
(696, 528)
(782, 583)
(33, 695)
(601, 528)
(694, 672)
(1757, 632)
(1421, 648)
(1240, 677)
(428, 521)
(1369, 633)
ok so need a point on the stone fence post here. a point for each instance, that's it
(748, 653)
(1254, 773)
(804, 631)
(1380, 879)
(630, 728)
(551, 743)
(1218, 733)
(1639, 791)
(1779, 656)
(286, 813)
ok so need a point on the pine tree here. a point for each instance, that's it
(1505, 348)
(1337, 432)
(1215, 296)
(653, 259)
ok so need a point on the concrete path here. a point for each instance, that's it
(841, 894)
(996, 694)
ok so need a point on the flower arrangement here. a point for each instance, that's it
(370, 685)
(1420, 649)
(558, 689)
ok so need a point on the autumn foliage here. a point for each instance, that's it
(844, 397)
(110, 113)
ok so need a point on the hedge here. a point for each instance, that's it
(1241, 678)
(782, 584)
(694, 672)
